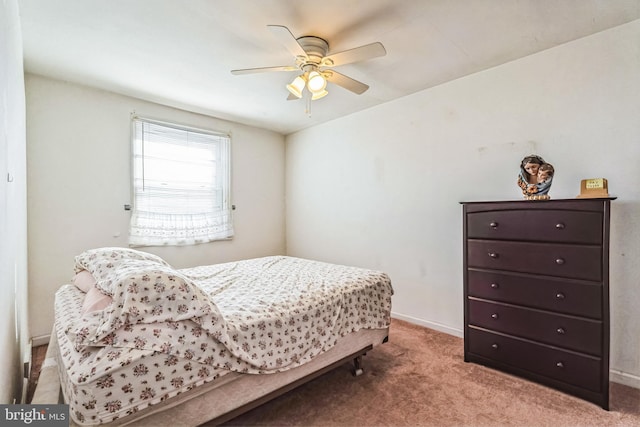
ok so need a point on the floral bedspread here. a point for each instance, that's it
(103, 383)
(253, 316)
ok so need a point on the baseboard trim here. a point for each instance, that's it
(41, 340)
(428, 324)
(624, 378)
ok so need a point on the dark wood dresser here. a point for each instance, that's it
(536, 291)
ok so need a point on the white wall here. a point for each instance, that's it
(14, 328)
(381, 188)
(79, 180)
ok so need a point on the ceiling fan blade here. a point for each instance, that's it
(288, 40)
(264, 69)
(346, 82)
(356, 54)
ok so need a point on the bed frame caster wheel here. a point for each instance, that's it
(357, 366)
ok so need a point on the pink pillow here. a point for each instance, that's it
(95, 300)
(84, 281)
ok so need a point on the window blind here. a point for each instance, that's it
(180, 184)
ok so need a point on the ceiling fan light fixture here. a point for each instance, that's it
(316, 82)
(296, 86)
(318, 94)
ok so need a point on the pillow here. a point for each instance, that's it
(95, 300)
(142, 290)
(110, 255)
(134, 287)
(84, 281)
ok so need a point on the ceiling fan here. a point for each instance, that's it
(312, 58)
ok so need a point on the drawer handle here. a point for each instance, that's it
(494, 286)
(559, 295)
(494, 346)
(560, 331)
(494, 316)
(493, 225)
(560, 365)
(493, 255)
(560, 226)
(559, 261)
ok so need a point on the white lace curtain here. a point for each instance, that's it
(180, 185)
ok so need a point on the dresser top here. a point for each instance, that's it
(579, 204)
(576, 200)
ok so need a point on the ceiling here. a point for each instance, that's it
(180, 53)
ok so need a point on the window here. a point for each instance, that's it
(180, 185)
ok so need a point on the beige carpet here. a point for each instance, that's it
(419, 378)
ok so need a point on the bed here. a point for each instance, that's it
(138, 342)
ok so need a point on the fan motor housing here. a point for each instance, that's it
(315, 47)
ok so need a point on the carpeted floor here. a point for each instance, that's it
(419, 378)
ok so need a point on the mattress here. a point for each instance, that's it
(261, 317)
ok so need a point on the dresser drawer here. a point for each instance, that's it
(560, 295)
(569, 332)
(537, 225)
(574, 261)
(575, 369)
